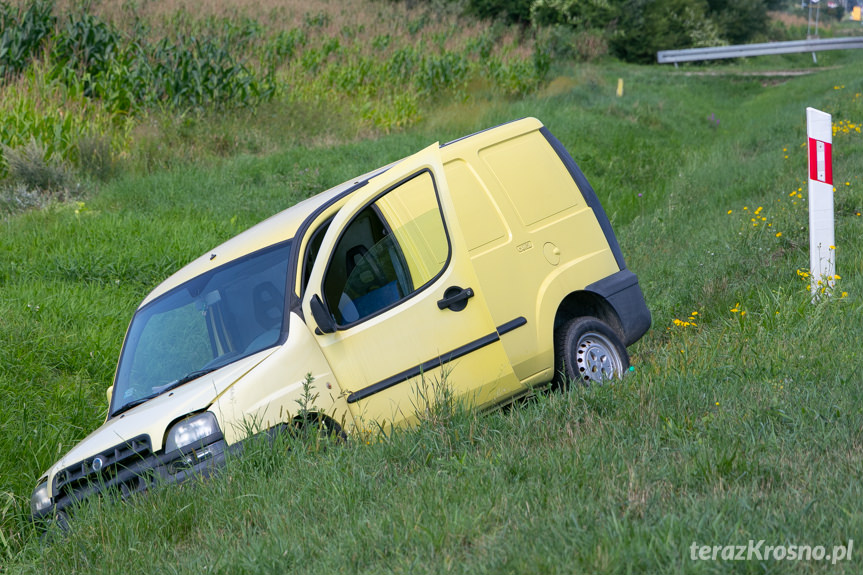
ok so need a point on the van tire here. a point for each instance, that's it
(588, 350)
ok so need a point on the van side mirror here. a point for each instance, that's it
(109, 392)
(322, 317)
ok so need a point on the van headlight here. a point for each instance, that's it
(191, 431)
(40, 501)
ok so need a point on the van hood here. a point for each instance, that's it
(153, 417)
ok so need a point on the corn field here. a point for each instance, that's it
(69, 73)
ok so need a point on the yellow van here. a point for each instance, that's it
(487, 262)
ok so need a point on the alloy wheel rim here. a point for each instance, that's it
(596, 358)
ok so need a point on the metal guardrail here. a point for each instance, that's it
(745, 50)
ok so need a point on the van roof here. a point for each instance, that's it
(284, 225)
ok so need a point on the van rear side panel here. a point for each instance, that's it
(532, 235)
(533, 179)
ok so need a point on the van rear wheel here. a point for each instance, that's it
(588, 350)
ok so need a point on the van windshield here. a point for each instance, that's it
(210, 321)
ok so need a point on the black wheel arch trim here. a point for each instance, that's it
(622, 291)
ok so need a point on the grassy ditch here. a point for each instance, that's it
(741, 420)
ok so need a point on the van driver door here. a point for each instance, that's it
(395, 304)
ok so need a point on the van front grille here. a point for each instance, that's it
(103, 469)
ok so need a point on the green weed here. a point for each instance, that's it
(31, 167)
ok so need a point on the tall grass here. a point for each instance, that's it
(734, 427)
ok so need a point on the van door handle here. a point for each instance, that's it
(455, 298)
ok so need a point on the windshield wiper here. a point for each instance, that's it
(189, 377)
(167, 387)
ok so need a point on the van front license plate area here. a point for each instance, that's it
(130, 468)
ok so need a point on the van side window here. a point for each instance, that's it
(392, 248)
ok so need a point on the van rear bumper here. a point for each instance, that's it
(622, 292)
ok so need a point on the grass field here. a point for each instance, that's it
(742, 420)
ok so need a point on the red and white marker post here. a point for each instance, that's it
(822, 249)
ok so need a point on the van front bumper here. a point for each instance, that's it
(129, 468)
